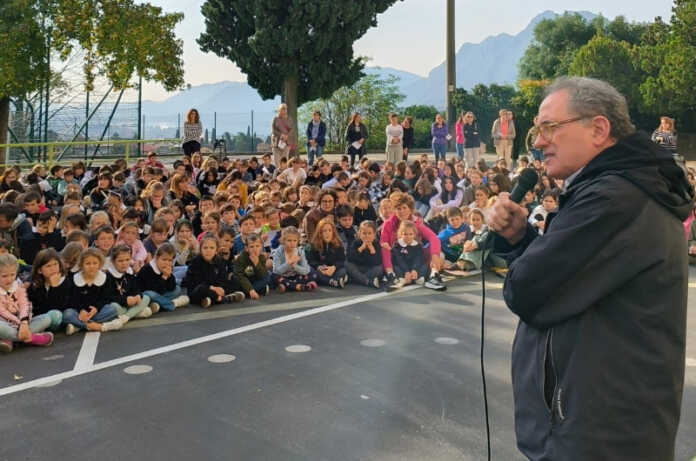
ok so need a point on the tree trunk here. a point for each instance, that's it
(290, 98)
(4, 121)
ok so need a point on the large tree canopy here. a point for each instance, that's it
(300, 49)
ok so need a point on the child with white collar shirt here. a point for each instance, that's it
(407, 257)
(123, 289)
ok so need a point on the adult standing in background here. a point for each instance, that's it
(193, 133)
(459, 136)
(472, 140)
(316, 137)
(665, 135)
(281, 134)
(531, 139)
(395, 136)
(438, 130)
(408, 135)
(356, 135)
(503, 133)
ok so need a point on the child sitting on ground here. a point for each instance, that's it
(454, 234)
(364, 263)
(327, 256)
(251, 269)
(186, 247)
(49, 288)
(537, 218)
(291, 271)
(123, 287)
(407, 257)
(88, 303)
(158, 283)
(206, 276)
(16, 321)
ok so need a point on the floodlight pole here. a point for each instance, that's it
(451, 82)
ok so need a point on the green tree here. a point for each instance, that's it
(300, 49)
(22, 56)
(372, 96)
(421, 112)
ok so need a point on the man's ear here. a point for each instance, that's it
(601, 130)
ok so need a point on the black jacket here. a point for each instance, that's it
(83, 295)
(360, 215)
(44, 299)
(121, 286)
(364, 258)
(150, 279)
(201, 272)
(30, 248)
(406, 258)
(598, 358)
(327, 256)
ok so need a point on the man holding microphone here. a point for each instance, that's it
(598, 357)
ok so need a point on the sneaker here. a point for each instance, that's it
(5, 346)
(206, 302)
(41, 339)
(420, 280)
(335, 283)
(376, 283)
(345, 280)
(390, 278)
(111, 325)
(311, 286)
(266, 291)
(154, 308)
(181, 301)
(435, 283)
(235, 297)
(70, 329)
(124, 319)
(396, 284)
(145, 313)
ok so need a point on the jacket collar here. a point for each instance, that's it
(10, 290)
(153, 265)
(98, 280)
(112, 270)
(414, 243)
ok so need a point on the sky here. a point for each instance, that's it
(409, 36)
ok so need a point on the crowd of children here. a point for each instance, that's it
(94, 248)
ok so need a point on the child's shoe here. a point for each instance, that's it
(70, 329)
(420, 280)
(206, 302)
(41, 339)
(124, 319)
(234, 297)
(5, 346)
(181, 301)
(145, 313)
(396, 284)
(335, 283)
(154, 307)
(375, 282)
(311, 286)
(111, 325)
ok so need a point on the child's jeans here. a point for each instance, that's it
(164, 300)
(179, 273)
(260, 284)
(200, 292)
(291, 282)
(132, 311)
(322, 279)
(37, 325)
(106, 313)
(364, 275)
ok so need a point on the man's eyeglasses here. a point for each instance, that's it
(547, 129)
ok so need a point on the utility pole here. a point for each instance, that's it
(140, 115)
(451, 81)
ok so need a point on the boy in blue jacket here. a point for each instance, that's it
(454, 235)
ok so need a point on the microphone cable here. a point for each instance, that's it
(483, 370)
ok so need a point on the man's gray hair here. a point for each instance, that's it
(590, 97)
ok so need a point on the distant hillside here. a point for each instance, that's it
(494, 60)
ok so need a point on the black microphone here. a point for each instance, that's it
(526, 182)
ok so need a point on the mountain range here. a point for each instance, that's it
(494, 60)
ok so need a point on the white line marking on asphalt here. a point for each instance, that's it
(196, 341)
(52, 383)
(298, 348)
(137, 369)
(88, 351)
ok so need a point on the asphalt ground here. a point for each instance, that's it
(352, 374)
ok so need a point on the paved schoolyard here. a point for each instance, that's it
(336, 375)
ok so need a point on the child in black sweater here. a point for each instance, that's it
(89, 295)
(364, 263)
(206, 278)
(327, 255)
(123, 286)
(407, 257)
(50, 288)
(158, 283)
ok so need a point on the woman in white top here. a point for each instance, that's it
(295, 175)
(395, 136)
(193, 132)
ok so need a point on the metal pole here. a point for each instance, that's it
(451, 67)
(140, 114)
(48, 86)
(253, 140)
(86, 124)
